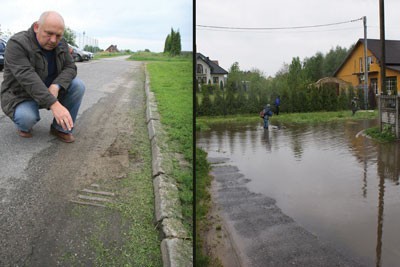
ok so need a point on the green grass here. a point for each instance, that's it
(203, 202)
(386, 136)
(149, 56)
(136, 206)
(204, 123)
(171, 81)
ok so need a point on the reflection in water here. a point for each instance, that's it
(265, 140)
(380, 222)
(388, 167)
(315, 173)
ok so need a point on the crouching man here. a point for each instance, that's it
(39, 72)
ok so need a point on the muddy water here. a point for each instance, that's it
(341, 187)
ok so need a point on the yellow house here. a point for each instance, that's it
(352, 69)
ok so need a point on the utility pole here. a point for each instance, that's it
(366, 64)
(383, 48)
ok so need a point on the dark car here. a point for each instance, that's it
(2, 49)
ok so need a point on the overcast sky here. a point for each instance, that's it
(268, 50)
(129, 24)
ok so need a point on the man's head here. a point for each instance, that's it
(49, 29)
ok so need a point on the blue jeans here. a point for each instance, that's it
(266, 122)
(26, 114)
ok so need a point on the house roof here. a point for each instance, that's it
(392, 50)
(214, 67)
(374, 45)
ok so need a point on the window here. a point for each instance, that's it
(361, 65)
(391, 84)
(369, 62)
(199, 69)
(215, 80)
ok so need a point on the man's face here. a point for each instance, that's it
(49, 33)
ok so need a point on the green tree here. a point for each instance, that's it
(167, 45)
(69, 36)
(343, 100)
(90, 48)
(333, 59)
(230, 102)
(313, 67)
(219, 102)
(173, 43)
(206, 105)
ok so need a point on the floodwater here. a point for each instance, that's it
(337, 184)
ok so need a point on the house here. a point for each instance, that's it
(352, 69)
(209, 72)
(112, 48)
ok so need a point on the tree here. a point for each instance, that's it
(313, 67)
(92, 49)
(167, 45)
(173, 43)
(69, 36)
(333, 59)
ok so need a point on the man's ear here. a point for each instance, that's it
(36, 27)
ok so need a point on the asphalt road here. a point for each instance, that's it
(38, 175)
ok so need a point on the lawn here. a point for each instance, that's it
(204, 123)
(171, 81)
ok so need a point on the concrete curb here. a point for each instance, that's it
(176, 245)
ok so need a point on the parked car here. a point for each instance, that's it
(91, 55)
(2, 49)
(78, 55)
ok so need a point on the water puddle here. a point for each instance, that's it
(342, 188)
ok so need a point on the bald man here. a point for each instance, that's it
(39, 72)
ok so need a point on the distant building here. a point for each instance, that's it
(353, 68)
(209, 72)
(112, 48)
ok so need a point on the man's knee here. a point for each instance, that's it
(77, 88)
(25, 117)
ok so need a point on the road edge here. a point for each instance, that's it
(176, 245)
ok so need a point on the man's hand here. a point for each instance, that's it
(54, 89)
(62, 116)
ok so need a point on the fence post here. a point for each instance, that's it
(380, 112)
(397, 117)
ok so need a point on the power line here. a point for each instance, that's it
(288, 31)
(275, 28)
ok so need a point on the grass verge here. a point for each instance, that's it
(140, 244)
(205, 123)
(149, 56)
(386, 136)
(171, 81)
(203, 198)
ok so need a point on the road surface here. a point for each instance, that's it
(40, 176)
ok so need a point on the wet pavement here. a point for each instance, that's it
(342, 190)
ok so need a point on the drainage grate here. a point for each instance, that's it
(94, 196)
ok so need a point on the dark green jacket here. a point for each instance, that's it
(25, 70)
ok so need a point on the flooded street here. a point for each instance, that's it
(338, 185)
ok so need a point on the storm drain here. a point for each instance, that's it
(93, 196)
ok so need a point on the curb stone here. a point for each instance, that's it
(169, 247)
(176, 245)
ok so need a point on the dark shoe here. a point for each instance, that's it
(24, 134)
(65, 137)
